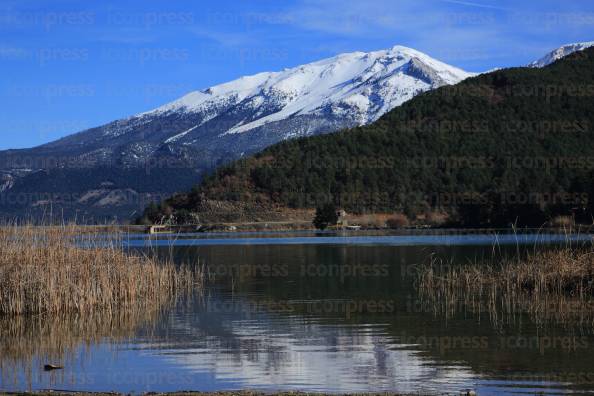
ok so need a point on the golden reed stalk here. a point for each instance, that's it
(58, 270)
(555, 286)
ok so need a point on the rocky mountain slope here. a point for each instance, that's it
(153, 154)
(204, 129)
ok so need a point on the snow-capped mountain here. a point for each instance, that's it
(240, 117)
(165, 150)
(560, 53)
(357, 88)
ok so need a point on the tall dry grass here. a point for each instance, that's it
(554, 286)
(57, 270)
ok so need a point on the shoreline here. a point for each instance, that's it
(236, 228)
(287, 227)
(192, 393)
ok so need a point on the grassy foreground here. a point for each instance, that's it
(58, 270)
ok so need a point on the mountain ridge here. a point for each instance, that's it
(478, 151)
(560, 53)
(205, 129)
(189, 137)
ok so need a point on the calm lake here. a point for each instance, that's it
(303, 311)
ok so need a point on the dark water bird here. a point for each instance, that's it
(51, 367)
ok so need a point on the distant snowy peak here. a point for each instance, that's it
(360, 86)
(560, 53)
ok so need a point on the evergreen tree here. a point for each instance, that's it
(325, 216)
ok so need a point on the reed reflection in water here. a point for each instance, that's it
(30, 342)
(553, 288)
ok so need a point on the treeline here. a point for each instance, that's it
(512, 146)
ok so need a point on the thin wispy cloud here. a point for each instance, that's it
(225, 39)
(437, 30)
(130, 37)
(476, 5)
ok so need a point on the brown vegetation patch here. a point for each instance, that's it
(553, 286)
(54, 270)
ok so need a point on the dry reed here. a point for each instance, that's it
(57, 270)
(554, 286)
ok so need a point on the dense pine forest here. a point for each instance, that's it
(511, 146)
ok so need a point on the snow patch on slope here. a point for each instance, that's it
(179, 136)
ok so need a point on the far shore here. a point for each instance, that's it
(225, 393)
(303, 226)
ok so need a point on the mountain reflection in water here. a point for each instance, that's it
(312, 317)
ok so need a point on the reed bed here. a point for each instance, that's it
(55, 270)
(555, 286)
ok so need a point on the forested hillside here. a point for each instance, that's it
(512, 146)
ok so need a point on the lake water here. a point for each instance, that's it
(311, 312)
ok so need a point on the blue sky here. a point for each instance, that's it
(70, 65)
